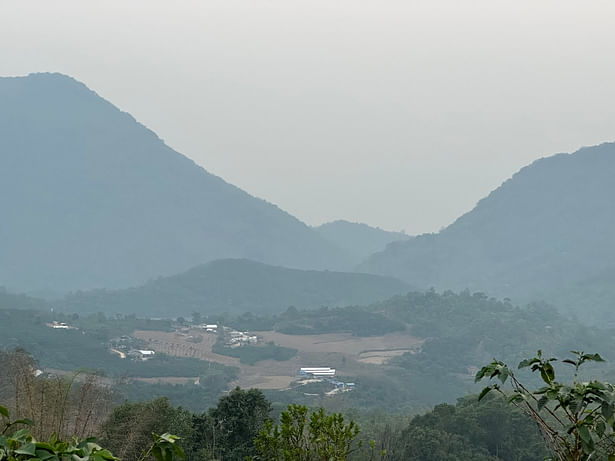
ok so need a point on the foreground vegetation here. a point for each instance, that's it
(245, 424)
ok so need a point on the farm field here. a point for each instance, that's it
(350, 355)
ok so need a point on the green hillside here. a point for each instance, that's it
(543, 234)
(461, 332)
(237, 285)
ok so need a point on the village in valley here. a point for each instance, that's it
(191, 339)
(322, 364)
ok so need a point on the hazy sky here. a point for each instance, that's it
(400, 114)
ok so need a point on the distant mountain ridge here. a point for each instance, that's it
(91, 198)
(238, 285)
(546, 233)
(358, 240)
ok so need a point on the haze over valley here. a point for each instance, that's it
(152, 300)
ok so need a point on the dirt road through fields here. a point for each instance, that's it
(349, 354)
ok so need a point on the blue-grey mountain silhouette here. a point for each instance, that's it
(91, 198)
(546, 233)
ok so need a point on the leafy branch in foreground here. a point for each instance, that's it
(21, 446)
(164, 448)
(576, 419)
(305, 437)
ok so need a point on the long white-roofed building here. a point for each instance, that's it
(317, 371)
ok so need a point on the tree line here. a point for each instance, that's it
(563, 421)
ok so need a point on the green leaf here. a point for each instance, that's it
(594, 357)
(607, 410)
(524, 363)
(516, 397)
(168, 437)
(547, 373)
(27, 449)
(584, 434)
(528, 362)
(21, 434)
(542, 402)
(600, 428)
(44, 455)
(503, 376)
(4, 412)
(44, 446)
(597, 385)
(575, 406)
(484, 392)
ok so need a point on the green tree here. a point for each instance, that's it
(303, 437)
(430, 444)
(228, 430)
(489, 429)
(128, 431)
(577, 419)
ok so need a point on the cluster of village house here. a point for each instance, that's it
(128, 347)
(234, 338)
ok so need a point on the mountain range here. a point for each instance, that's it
(358, 240)
(90, 198)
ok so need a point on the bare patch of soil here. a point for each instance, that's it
(349, 354)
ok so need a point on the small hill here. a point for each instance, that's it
(358, 240)
(236, 285)
(90, 198)
(546, 233)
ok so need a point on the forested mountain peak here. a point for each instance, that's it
(239, 285)
(542, 234)
(91, 198)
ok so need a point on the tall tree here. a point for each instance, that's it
(128, 431)
(228, 430)
(307, 437)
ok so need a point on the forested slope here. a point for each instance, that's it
(543, 234)
(235, 286)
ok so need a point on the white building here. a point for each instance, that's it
(317, 371)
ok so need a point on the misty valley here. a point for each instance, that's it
(170, 314)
